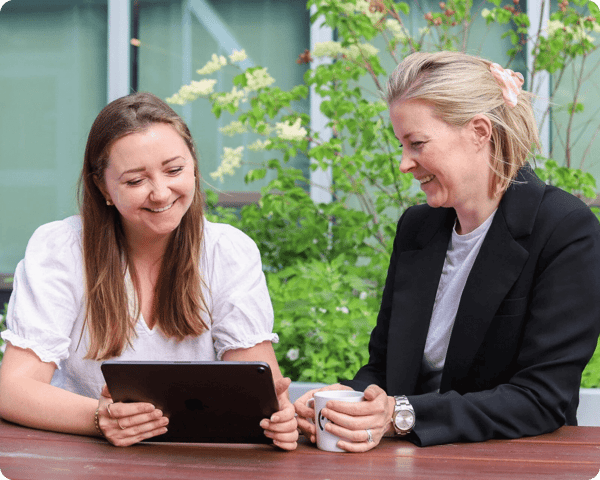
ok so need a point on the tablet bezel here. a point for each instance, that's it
(238, 394)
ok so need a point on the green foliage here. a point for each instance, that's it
(591, 375)
(325, 263)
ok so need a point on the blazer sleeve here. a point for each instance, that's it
(558, 338)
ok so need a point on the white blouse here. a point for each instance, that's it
(46, 309)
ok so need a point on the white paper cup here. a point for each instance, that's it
(325, 440)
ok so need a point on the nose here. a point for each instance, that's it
(160, 190)
(407, 163)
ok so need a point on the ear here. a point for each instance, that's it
(100, 184)
(481, 127)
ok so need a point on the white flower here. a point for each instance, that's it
(230, 161)
(580, 34)
(322, 310)
(259, 145)
(342, 309)
(289, 131)
(293, 354)
(363, 295)
(238, 56)
(328, 49)
(214, 64)
(485, 13)
(553, 26)
(189, 93)
(395, 28)
(235, 96)
(258, 79)
(358, 51)
(233, 128)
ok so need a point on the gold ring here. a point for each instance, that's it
(108, 410)
(120, 426)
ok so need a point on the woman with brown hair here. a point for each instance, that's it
(139, 275)
(488, 315)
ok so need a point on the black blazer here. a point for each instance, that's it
(527, 323)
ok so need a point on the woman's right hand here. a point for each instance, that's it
(124, 424)
(306, 415)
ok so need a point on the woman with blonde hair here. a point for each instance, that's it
(488, 315)
(140, 274)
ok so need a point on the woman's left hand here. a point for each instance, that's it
(351, 420)
(282, 427)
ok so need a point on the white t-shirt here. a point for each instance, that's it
(460, 256)
(46, 310)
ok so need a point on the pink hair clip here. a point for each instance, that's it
(510, 82)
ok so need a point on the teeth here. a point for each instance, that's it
(161, 209)
(426, 179)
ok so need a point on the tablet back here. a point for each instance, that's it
(214, 402)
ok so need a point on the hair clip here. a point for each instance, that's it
(510, 82)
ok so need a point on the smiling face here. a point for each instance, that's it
(451, 163)
(150, 179)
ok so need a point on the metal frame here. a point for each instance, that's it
(119, 38)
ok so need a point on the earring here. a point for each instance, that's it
(109, 203)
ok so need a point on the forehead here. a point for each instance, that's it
(415, 116)
(158, 141)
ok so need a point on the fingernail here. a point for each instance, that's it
(274, 418)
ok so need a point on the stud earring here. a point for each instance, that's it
(109, 203)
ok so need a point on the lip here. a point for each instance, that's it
(161, 210)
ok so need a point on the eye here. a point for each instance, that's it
(175, 170)
(417, 144)
(134, 183)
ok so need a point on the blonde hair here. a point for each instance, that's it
(178, 300)
(461, 86)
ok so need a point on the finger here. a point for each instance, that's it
(286, 413)
(289, 426)
(131, 440)
(350, 422)
(359, 447)
(121, 410)
(308, 429)
(146, 418)
(105, 393)
(290, 437)
(282, 385)
(285, 445)
(352, 435)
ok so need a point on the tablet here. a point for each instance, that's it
(215, 402)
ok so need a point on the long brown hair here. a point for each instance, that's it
(179, 305)
(460, 86)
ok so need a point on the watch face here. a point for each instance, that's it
(405, 420)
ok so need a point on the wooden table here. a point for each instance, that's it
(569, 453)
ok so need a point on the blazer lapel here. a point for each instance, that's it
(417, 276)
(496, 269)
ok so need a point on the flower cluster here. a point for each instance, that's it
(259, 145)
(396, 29)
(233, 128)
(258, 79)
(238, 56)
(291, 131)
(213, 65)
(234, 97)
(196, 89)
(230, 161)
(353, 52)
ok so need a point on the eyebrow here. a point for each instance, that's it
(143, 169)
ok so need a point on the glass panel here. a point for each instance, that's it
(273, 33)
(53, 79)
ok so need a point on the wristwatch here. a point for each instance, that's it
(403, 418)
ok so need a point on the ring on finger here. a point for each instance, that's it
(369, 436)
(108, 410)
(120, 426)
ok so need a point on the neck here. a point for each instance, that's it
(471, 218)
(147, 250)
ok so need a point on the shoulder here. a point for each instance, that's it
(226, 243)
(59, 238)
(419, 223)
